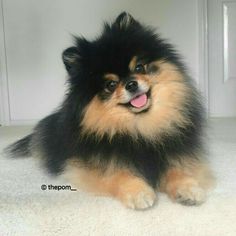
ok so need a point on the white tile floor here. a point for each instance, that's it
(27, 210)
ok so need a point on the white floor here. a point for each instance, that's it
(25, 209)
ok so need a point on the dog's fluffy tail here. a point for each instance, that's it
(20, 148)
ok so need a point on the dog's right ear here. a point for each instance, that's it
(70, 58)
(124, 21)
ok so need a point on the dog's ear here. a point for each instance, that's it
(70, 58)
(125, 20)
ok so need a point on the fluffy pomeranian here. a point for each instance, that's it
(131, 122)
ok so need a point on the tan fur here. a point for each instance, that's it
(185, 175)
(118, 183)
(169, 94)
(106, 117)
(133, 63)
(88, 179)
(119, 91)
(110, 76)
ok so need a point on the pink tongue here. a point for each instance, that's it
(139, 101)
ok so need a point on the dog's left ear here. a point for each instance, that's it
(70, 58)
(125, 20)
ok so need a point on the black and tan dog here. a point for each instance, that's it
(131, 123)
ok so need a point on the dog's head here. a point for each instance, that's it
(132, 80)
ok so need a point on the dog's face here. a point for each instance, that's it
(131, 79)
(131, 92)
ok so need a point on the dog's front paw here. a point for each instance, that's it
(183, 188)
(137, 195)
(140, 200)
(190, 195)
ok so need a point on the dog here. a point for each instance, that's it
(131, 123)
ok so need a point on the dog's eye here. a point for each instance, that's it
(111, 85)
(139, 69)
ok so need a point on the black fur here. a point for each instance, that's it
(20, 148)
(58, 135)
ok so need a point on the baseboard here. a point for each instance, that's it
(23, 122)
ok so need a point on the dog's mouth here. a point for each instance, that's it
(139, 103)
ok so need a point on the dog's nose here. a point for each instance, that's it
(132, 86)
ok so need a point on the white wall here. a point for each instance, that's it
(36, 32)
